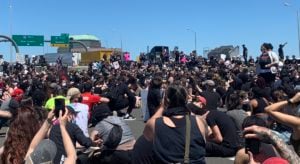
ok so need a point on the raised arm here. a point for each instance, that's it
(68, 145)
(41, 134)
(274, 110)
(283, 149)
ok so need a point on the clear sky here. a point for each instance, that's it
(142, 23)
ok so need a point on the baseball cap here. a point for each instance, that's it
(71, 109)
(72, 92)
(44, 152)
(201, 99)
(209, 83)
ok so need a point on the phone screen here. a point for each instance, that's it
(59, 105)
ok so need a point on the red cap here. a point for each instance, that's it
(275, 160)
(202, 100)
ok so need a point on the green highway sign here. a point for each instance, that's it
(29, 40)
(60, 41)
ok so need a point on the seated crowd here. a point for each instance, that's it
(218, 109)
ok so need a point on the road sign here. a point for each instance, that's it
(29, 40)
(60, 45)
(60, 41)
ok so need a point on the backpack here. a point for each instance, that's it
(114, 137)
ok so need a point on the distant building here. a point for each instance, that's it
(230, 52)
(90, 41)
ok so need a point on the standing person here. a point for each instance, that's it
(154, 95)
(280, 51)
(245, 53)
(268, 61)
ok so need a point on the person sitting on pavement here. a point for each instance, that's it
(238, 108)
(91, 99)
(222, 140)
(266, 135)
(56, 93)
(75, 133)
(265, 150)
(82, 110)
(106, 123)
(121, 97)
(213, 98)
(43, 150)
(21, 131)
(290, 120)
(168, 127)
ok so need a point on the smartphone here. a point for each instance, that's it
(59, 106)
(252, 145)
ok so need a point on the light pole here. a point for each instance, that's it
(195, 35)
(10, 27)
(298, 25)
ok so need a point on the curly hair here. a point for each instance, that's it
(21, 131)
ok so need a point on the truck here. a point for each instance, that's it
(155, 53)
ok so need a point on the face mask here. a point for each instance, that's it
(73, 121)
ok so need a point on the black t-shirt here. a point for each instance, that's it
(212, 99)
(226, 126)
(75, 133)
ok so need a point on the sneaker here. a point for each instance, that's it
(129, 117)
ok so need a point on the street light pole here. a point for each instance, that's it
(298, 31)
(298, 25)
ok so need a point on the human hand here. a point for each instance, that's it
(257, 132)
(50, 115)
(251, 159)
(63, 119)
(296, 98)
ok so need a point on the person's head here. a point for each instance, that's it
(279, 95)
(44, 153)
(87, 87)
(22, 130)
(233, 101)
(101, 111)
(253, 120)
(176, 96)
(198, 106)
(74, 95)
(263, 48)
(209, 84)
(156, 82)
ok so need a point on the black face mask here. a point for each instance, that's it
(80, 99)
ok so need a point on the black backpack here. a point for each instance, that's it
(114, 137)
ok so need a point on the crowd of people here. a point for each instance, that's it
(194, 109)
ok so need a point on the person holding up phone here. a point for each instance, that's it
(259, 150)
(73, 130)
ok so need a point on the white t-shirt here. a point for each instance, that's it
(82, 116)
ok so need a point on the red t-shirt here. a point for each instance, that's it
(90, 99)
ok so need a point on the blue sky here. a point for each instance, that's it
(142, 23)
